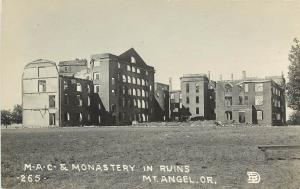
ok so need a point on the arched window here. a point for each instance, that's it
(124, 78)
(128, 79)
(228, 88)
(78, 87)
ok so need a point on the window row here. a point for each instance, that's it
(78, 117)
(79, 100)
(136, 103)
(187, 87)
(78, 86)
(228, 115)
(135, 117)
(276, 103)
(258, 87)
(134, 80)
(134, 92)
(188, 99)
(276, 91)
(134, 69)
(172, 97)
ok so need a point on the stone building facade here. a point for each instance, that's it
(196, 97)
(52, 99)
(125, 84)
(161, 102)
(251, 100)
(176, 105)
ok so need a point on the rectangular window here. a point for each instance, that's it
(246, 88)
(65, 85)
(172, 96)
(128, 68)
(197, 99)
(66, 99)
(260, 115)
(278, 117)
(197, 88)
(133, 69)
(97, 88)
(228, 115)
(138, 70)
(113, 82)
(128, 79)
(113, 107)
(97, 63)
(240, 100)
(197, 110)
(96, 76)
(88, 101)
(187, 100)
(246, 100)
(119, 65)
(51, 101)
(51, 118)
(228, 101)
(242, 117)
(187, 87)
(259, 100)
(133, 80)
(79, 100)
(259, 87)
(42, 85)
(67, 116)
(78, 87)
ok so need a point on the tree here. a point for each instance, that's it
(16, 114)
(293, 86)
(5, 117)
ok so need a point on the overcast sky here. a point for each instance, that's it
(175, 36)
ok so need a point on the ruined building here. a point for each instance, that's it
(52, 99)
(161, 102)
(125, 84)
(109, 90)
(251, 100)
(197, 96)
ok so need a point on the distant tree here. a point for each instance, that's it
(293, 86)
(5, 117)
(293, 118)
(16, 114)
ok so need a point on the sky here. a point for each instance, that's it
(175, 36)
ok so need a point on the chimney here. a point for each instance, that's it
(220, 77)
(244, 74)
(170, 83)
(208, 75)
(232, 77)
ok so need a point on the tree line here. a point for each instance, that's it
(12, 117)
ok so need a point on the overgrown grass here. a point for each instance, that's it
(224, 153)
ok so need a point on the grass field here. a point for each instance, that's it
(224, 153)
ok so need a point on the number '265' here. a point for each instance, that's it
(30, 178)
